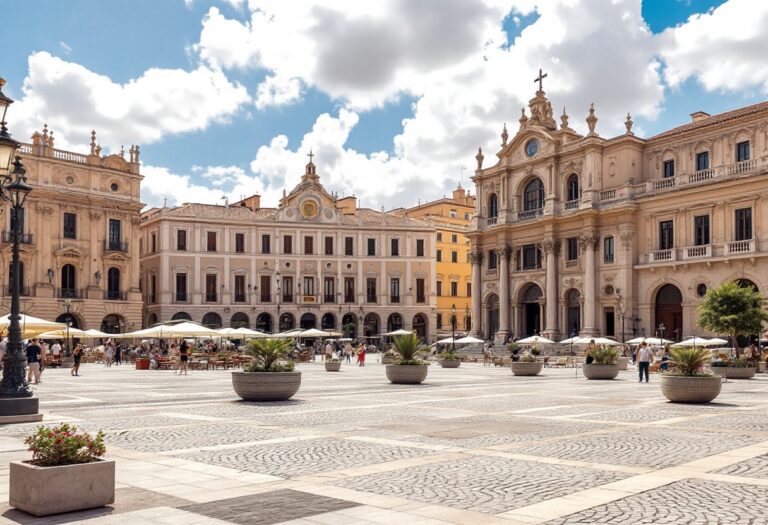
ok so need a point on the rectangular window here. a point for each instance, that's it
(572, 253)
(239, 288)
(453, 214)
(454, 238)
(329, 290)
(370, 289)
(491, 259)
(531, 258)
(153, 289)
(439, 255)
(114, 233)
(454, 289)
(181, 287)
(211, 292)
(211, 241)
(666, 235)
(608, 249)
(742, 151)
(702, 161)
(669, 168)
(309, 286)
(419, 247)
(309, 247)
(439, 321)
(287, 291)
(349, 246)
(181, 240)
(454, 257)
(329, 245)
(371, 247)
(439, 288)
(395, 247)
(70, 226)
(240, 243)
(288, 244)
(266, 243)
(701, 230)
(154, 242)
(266, 288)
(469, 289)
(394, 290)
(349, 289)
(744, 224)
(439, 237)
(421, 296)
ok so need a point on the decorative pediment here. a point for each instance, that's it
(69, 253)
(117, 257)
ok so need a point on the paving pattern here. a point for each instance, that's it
(471, 445)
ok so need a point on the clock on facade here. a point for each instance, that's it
(532, 147)
(309, 209)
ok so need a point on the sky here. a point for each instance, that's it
(394, 97)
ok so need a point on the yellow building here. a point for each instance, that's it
(451, 218)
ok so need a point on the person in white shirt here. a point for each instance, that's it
(56, 351)
(644, 360)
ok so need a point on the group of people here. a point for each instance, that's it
(335, 349)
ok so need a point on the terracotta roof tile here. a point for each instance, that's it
(713, 120)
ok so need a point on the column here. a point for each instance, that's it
(476, 259)
(587, 242)
(503, 254)
(551, 248)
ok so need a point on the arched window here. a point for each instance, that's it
(533, 196)
(493, 206)
(212, 320)
(68, 281)
(573, 187)
(113, 283)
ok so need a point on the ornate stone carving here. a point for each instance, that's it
(94, 215)
(628, 124)
(475, 257)
(592, 121)
(523, 119)
(550, 245)
(504, 136)
(588, 239)
(479, 157)
(503, 251)
(626, 239)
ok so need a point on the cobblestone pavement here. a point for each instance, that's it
(472, 445)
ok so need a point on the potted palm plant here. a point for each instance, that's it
(687, 381)
(66, 473)
(409, 370)
(333, 364)
(604, 364)
(450, 359)
(527, 365)
(270, 375)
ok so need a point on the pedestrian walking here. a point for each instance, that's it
(109, 354)
(34, 353)
(486, 354)
(644, 359)
(118, 356)
(361, 355)
(348, 350)
(183, 357)
(77, 354)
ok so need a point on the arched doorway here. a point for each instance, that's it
(308, 321)
(70, 319)
(328, 322)
(287, 322)
(746, 283)
(264, 322)
(349, 325)
(669, 312)
(573, 312)
(113, 323)
(371, 325)
(151, 319)
(181, 316)
(531, 301)
(113, 283)
(492, 326)
(239, 320)
(212, 320)
(394, 322)
(420, 326)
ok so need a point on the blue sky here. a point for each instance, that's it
(241, 144)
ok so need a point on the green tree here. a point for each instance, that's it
(734, 310)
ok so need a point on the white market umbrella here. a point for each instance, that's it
(313, 332)
(535, 339)
(469, 340)
(289, 334)
(30, 326)
(395, 333)
(606, 341)
(695, 341)
(717, 341)
(61, 333)
(570, 341)
(636, 341)
(96, 334)
(446, 341)
(657, 341)
(171, 331)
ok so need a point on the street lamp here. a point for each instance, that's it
(661, 331)
(67, 307)
(16, 397)
(453, 328)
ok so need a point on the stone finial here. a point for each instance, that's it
(45, 135)
(479, 157)
(136, 153)
(130, 154)
(592, 121)
(122, 151)
(564, 120)
(628, 123)
(50, 140)
(93, 142)
(504, 136)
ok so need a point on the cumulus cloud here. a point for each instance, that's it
(724, 49)
(72, 100)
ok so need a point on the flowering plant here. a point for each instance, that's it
(63, 445)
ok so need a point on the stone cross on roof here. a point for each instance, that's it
(540, 78)
(310, 155)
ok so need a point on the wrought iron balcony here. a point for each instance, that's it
(115, 246)
(24, 238)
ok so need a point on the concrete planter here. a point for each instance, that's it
(266, 386)
(407, 374)
(600, 371)
(526, 369)
(623, 362)
(42, 491)
(684, 389)
(388, 360)
(732, 372)
(332, 367)
(450, 363)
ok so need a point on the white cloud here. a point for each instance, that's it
(73, 100)
(723, 48)
(65, 47)
(276, 91)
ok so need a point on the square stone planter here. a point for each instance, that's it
(42, 491)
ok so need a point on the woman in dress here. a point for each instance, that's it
(361, 355)
(183, 357)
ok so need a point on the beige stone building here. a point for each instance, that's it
(314, 261)
(79, 252)
(617, 236)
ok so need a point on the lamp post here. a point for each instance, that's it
(67, 307)
(453, 328)
(17, 401)
(661, 331)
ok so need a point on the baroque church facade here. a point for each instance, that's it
(622, 236)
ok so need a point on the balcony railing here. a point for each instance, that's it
(394, 299)
(529, 214)
(607, 195)
(239, 297)
(24, 238)
(701, 175)
(697, 252)
(747, 246)
(572, 205)
(329, 298)
(181, 297)
(24, 291)
(115, 246)
(287, 297)
(571, 263)
(490, 221)
(115, 295)
(211, 298)
(69, 293)
(660, 184)
(663, 255)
